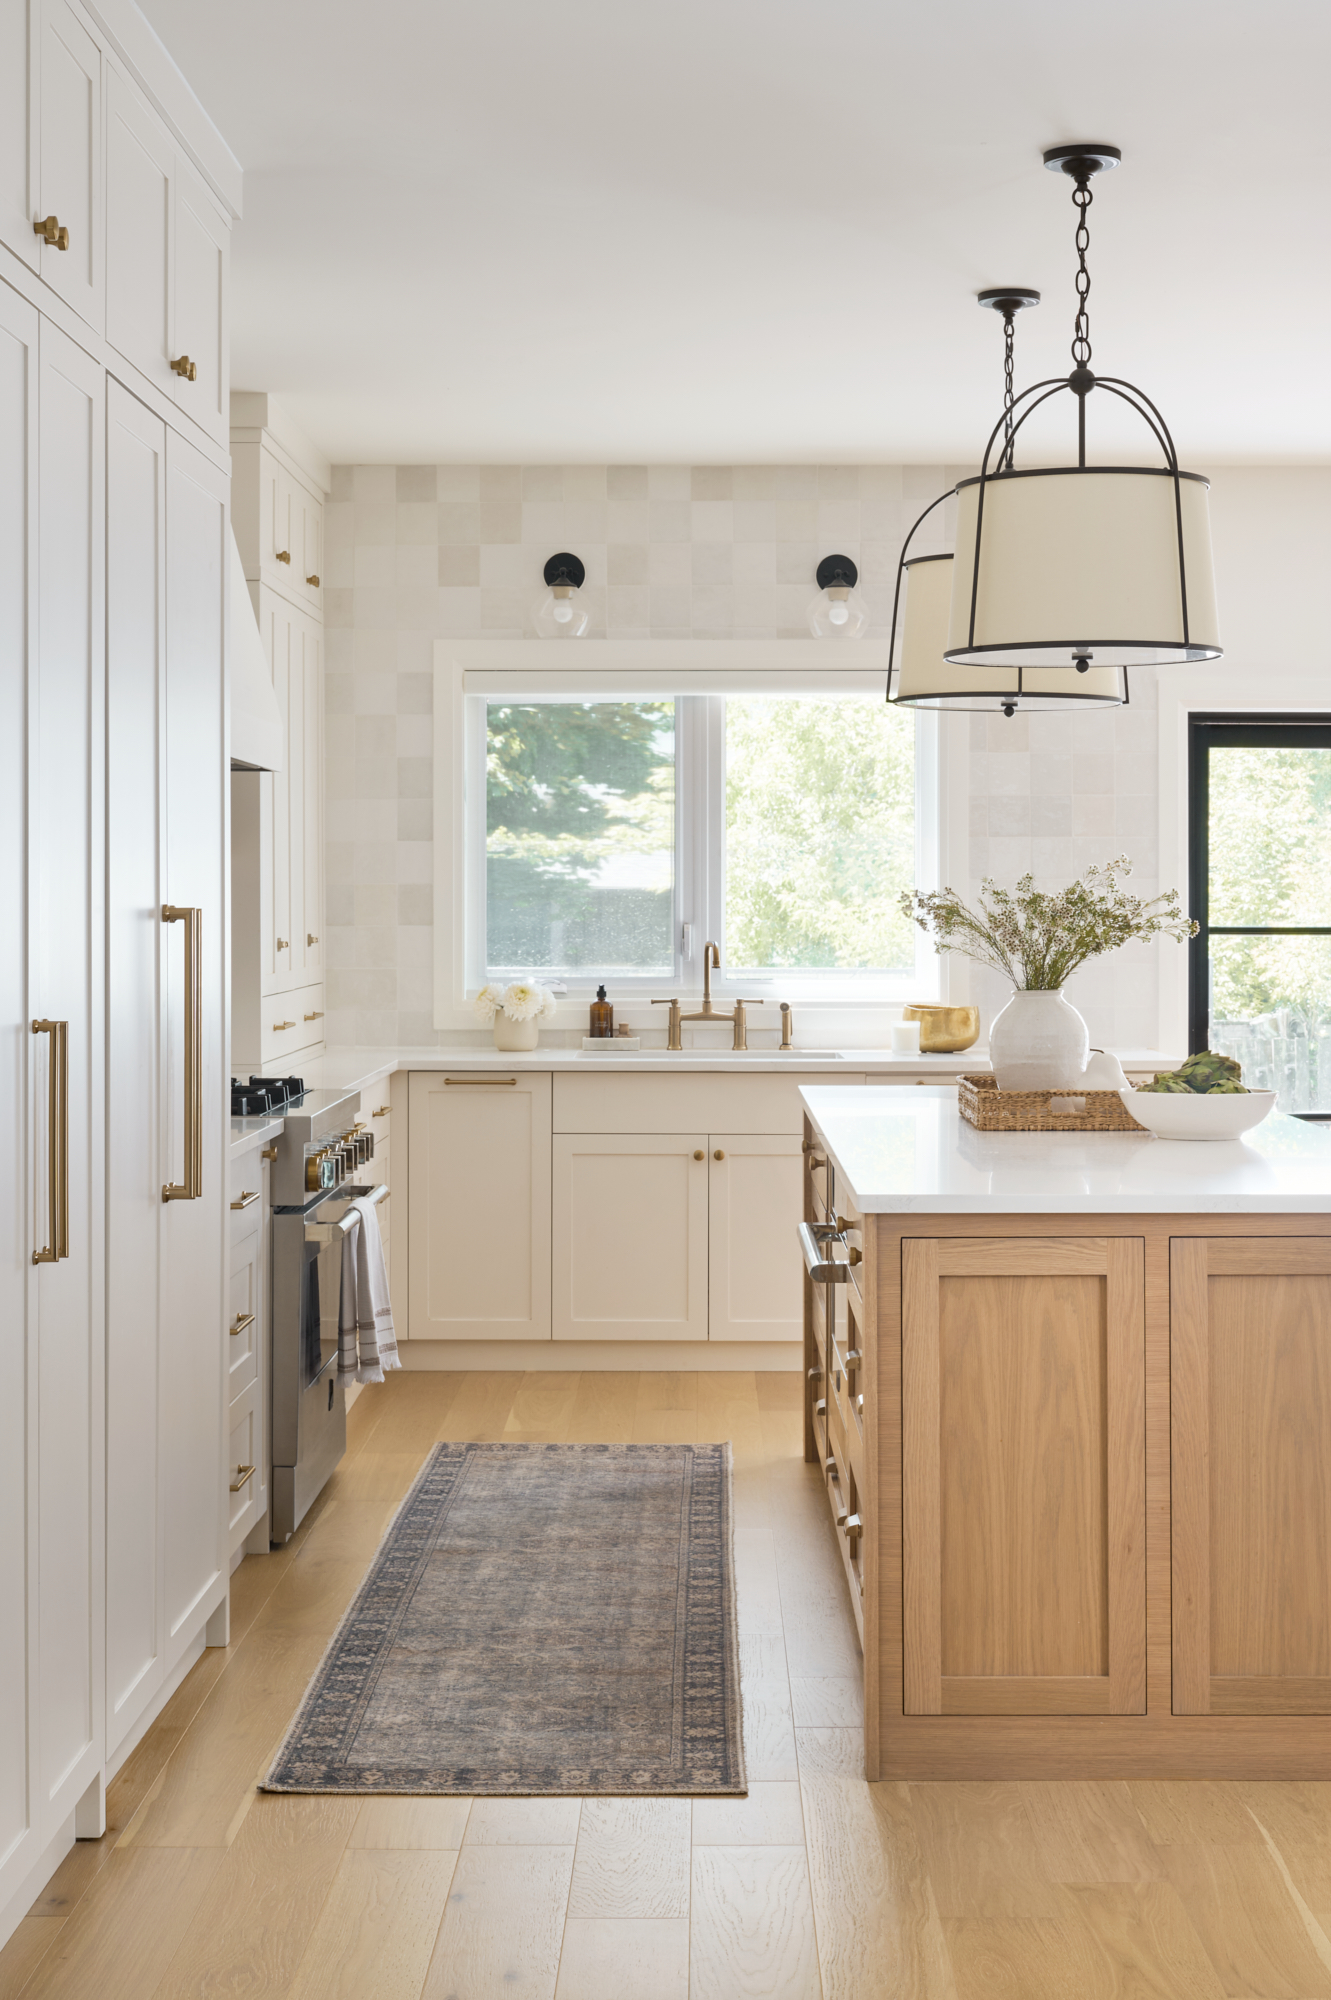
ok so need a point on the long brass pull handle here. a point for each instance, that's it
(52, 231)
(246, 1474)
(477, 1079)
(279, 1026)
(384, 1111)
(247, 1198)
(191, 1187)
(246, 1319)
(57, 1143)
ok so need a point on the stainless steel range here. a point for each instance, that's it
(324, 1159)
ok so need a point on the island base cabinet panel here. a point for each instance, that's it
(1023, 1476)
(755, 1270)
(630, 1236)
(478, 1160)
(1250, 1337)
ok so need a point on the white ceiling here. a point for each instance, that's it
(740, 231)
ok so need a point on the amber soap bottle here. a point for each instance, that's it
(603, 1017)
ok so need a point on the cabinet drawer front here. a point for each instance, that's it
(692, 1102)
(243, 1320)
(291, 1022)
(243, 1451)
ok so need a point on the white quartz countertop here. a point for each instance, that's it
(912, 1152)
(246, 1133)
(357, 1068)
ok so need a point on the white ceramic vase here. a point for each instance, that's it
(514, 1036)
(1038, 1042)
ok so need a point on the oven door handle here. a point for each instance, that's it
(330, 1232)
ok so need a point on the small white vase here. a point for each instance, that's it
(1038, 1042)
(514, 1035)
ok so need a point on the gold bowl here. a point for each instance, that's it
(944, 1030)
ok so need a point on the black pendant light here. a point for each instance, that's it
(1082, 566)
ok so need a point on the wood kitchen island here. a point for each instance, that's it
(1070, 1395)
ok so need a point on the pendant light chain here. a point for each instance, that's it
(1007, 389)
(1081, 325)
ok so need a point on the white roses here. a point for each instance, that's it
(524, 1000)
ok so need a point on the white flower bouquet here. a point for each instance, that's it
(523, 1000)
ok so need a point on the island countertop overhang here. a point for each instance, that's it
(913, 1153)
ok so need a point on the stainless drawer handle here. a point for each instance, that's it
(821, 1272)
(244, 1473)
(815, 1375)
(820, 1407)
(852, 1527)
(245, 1319)
(854, 1359)
(831, 1468)
(247, 1199)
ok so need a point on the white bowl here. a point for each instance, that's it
(1172, 1115)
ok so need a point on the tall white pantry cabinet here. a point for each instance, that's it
(116, 200)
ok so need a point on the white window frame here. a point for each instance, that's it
(467, 674)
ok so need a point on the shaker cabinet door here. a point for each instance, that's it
(630, 1236)
(755, 1271)
(1250, 1437)
(140, 195)
(201, 264)
(70, 160)
(1023, 1476)
(20, 24)
(478, 1151)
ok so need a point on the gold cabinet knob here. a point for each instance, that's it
(268, 1153)
(52, 231)
(284, 555)
(718, 1154)
(188, 370)
(284, 944)
(310, 938)
(313, 582)
(700, 1154)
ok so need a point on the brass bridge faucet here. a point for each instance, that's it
(711, 957)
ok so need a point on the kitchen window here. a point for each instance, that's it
(609, 838)
(1260, 838)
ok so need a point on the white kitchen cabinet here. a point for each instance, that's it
(756, 1201)
(479, 1207)
(629, 1218)
(201, 264)
(70, 160)
(247, 1343)
(66, 985)
(293, 954)
(165, 1355)
(140, 200)
(20, 1298)
(20, 23)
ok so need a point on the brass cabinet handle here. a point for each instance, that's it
(313, 581)
(699, 1154)
(382, 1112)
(246, 1473)
(314, 1017)
(57, 1143)
(479, 1079)
(718, 1154)
(843, 1223)
(284, 555)
(246, 1319)
(188, 370)
(268, 1153)
(248, 1198)
(191, 1187)
(51, 231)
(310, 938)
(283, 944)
(278, 1026)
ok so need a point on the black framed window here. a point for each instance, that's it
(1259, 813)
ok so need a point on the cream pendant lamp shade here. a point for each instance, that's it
(924, 678)
(1102, 565)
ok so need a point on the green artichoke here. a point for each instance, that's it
(1206, 1074)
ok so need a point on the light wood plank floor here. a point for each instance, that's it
(815, 1887)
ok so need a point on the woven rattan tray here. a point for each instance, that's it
(983, 1104)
